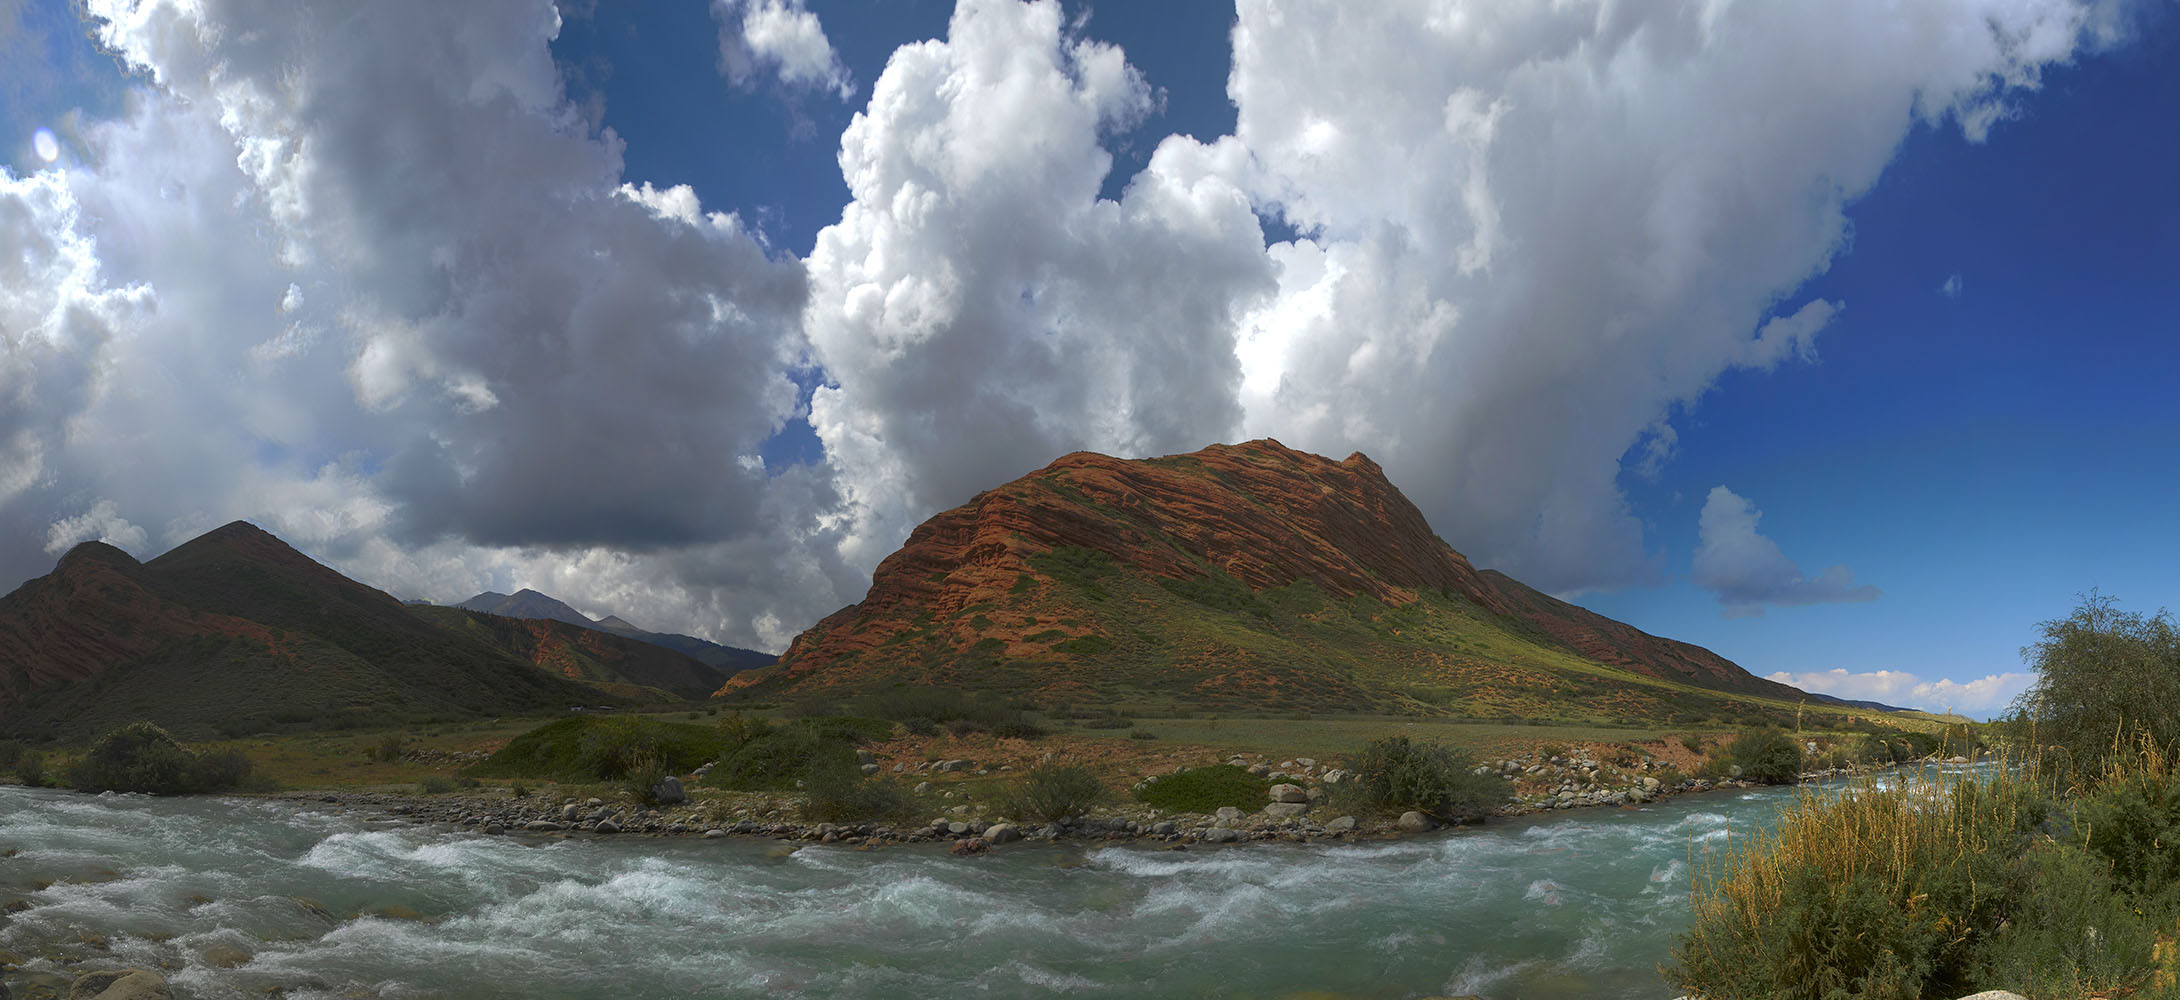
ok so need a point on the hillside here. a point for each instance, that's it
(1246, 577)
(531, 604)
(624, 666)
(236, 632)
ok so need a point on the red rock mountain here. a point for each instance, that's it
(1095, 559)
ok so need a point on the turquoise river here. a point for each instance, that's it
(318, 904)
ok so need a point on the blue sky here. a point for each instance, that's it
(1671, 312)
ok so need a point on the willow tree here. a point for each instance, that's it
(2106, 679)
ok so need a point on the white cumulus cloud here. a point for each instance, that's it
(780, 36)
(365, 274)
(1533, 232)
(1746, 570)
(980, 310)
(1984, 696)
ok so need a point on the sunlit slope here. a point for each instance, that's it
(1249, 577)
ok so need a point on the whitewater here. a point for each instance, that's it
(234, 898)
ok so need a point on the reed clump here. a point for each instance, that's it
(1933, 886)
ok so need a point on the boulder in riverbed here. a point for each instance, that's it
(668, 791)
(126, 984)
(1289, 793)
(1413, 822)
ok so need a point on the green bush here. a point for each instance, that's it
(1395, 774)
(1769, 756)
(1693, 743)
(774, 758)
(1205, 789)
(30, 769)
(641, 778)
(435, 785)
(10, 752)
(1053, 792)
(839, 793)
(388, 749)
(592, 748)
(141, 757)
(2131, 819)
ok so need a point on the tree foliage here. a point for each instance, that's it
(1769, 756)
(2107, 679)
(141, 757)
(1396, 774)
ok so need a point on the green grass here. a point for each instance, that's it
(1146, 645)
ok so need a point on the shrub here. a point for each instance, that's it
(1142, 734)
(1053, 792)
(1769, 756)
(641, 778)
(839, 793)
(2131, 819)
(921, 727)
(11, 751)
(1113, 721)
(1018, 731)
(1205, 789)
(1395, 774)
(221, 769)
(593, 748)
(141, 757)
(30, 769)
(388, 749)
(1926, 889)
(776, 757)
(435, 785)
(1693, 743)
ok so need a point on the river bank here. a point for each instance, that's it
(1576, 778)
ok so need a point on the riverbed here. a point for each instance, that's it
(233, 898)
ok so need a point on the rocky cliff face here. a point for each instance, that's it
(1024, 569)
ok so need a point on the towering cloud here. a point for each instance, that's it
(981, 310)
(1534, 232)
(366, 275)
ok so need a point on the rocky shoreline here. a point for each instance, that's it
(1295, 813)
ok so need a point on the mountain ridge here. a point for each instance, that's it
(236, 631)
(527, 603)
(1270, 572)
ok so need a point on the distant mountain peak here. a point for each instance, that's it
(95, 552)
(527, 603)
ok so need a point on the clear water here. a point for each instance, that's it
(1580, 904)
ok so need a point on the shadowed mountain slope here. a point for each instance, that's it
(236, 632)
